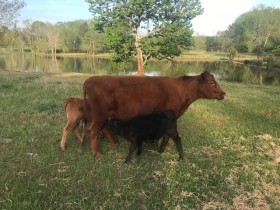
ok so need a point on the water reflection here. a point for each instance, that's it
(222, 70)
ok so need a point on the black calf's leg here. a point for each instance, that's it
(132, 148)
(140, 149)
(163, 143)
(178, 143)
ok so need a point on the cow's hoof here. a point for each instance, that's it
(62, 149)
(168, 147)
(98, 154)
(114, 144)
(126, 161)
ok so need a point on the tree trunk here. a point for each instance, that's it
(140, 70)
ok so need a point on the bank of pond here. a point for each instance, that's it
(252, 72)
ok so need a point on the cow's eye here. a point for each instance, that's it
(213, 84)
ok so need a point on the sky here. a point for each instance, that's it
(217, 15)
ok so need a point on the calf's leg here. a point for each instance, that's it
(66, 130)
(140, 148)
(79, 135)
(108, 135)
(164, 143)
(176, 138)
(132, 148)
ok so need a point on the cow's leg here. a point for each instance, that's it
(108, 135)
(66, 130)
(94, 129)
(132, 148)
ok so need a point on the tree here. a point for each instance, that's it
(267, 23)
(232, 54)
(53, 34)
(6, 37)
(27, 34)
(72, 34)
(200, 43)
(38, 30)
(212, 43)
(93, 41)
(146, 28)
(255, 31)
(9, 10)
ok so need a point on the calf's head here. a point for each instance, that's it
(209, 88)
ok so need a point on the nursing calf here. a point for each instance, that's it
(75, 113)
(125, 97)
(148, 127)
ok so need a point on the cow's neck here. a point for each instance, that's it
(190, 87)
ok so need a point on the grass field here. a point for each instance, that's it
(231, 149)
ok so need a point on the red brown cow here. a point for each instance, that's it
(74, 109)
(124, 97)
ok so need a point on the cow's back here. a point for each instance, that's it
(125, 97)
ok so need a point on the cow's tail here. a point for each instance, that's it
(86, 106)
(85, 93)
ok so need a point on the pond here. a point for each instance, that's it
(223, 70)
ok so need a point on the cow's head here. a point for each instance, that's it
(209, 88)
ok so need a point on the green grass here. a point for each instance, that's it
(229, 162)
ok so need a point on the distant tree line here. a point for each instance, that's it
(256, 31)
(68, 37)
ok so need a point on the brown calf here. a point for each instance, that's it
(124, 97)
(75, 114)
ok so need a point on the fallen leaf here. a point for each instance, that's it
(277, 160)
(265, 137)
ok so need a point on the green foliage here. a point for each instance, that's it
(169, 43)
(275, 50)
(73, 33)
(232, 54)
(158, 28)
(256, 31)
(212, 43)
(200, 43)
(93, 41)
(119, 38)
(73, 36)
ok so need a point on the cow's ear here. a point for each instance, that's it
(205, 74)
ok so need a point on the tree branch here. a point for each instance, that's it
(150, 33)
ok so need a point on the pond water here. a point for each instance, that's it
(223, 70)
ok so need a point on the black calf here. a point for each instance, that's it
(148, 127)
